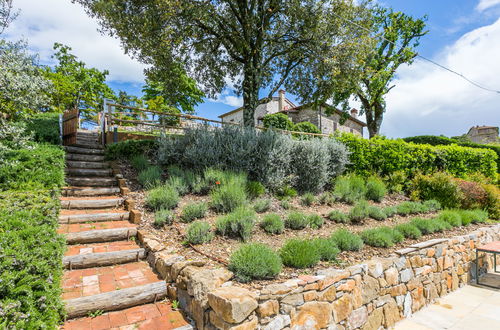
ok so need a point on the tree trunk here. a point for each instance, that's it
(250, 95)
(374, 116)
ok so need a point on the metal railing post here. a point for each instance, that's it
(61, 128)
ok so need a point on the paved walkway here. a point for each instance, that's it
(468, 308)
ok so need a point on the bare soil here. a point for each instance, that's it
(222, 247)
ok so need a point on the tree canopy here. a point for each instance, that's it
(250, 44)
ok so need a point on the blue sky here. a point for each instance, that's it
(463, 35)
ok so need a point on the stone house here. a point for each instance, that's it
(483, 134)
(327, 118)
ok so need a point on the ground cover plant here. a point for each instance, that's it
(272, 224)
(255, 261)
(162, 197)
(299, 253)
(199, 232)
(238, 223)
(193, 211)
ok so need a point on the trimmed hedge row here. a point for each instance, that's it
(44, 127)
(384, 156)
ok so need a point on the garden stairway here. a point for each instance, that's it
(107, 282)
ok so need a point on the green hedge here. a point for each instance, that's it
(44, 127)
(384, 156)
(443, 140)
(130, 148)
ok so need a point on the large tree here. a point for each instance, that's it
(398, 36)
(254, 44)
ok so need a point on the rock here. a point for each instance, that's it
(219, 323)
(328, 294)
(391, 276)
(391, 314)
(232, 304)
(179, 266)
(358, 269)
(375, 268)
(369, 289)
(185, 276)
(249, 325)
(407, 305)
(184, 300)
(400, 263)
(357, 299)
(296, 299)
(312, 315)
(276, 289)
(342, 307)
(331, 276)
(374, 321)
(381, 301)
(198, 314)
(152, 245)
(357, 318)
(448, 262)
(278, 323)
(406, 275)
(164, 264)
(268, 308)
(398, 290)
(310, 295)
(201, 282)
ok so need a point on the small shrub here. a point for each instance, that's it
(432, 205)
(424, 225)
(299, 253)
(199, 233)
(238, 223)
(359, 212)
(129, 148)
(381, 237)
(466, 216)
(193, 211)
(255, 189)
(375, 189)
(162, 197)
(296, 221)
(163, 217)
(377, 213)
(407, 208)
(438, 186)
(315, 221)
(326, 248)
(440, 225)
(338, 216)
(307, 127)
(307, 199)
(277, 120)
(492, 203)
(150, 177)
(179, 184)
(472, 194)
(347, 241)
(396, 181)
(390, 211)
(262, 205)
(139, 162)
(452, 217)
(254, 261)
(350, 189)
(478, 216)
(228, 197)
(272, 224)
(409, 230)
(285, 204)
(327, 198)
(286, 192)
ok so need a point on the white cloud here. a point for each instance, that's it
(226, 98)
(486, 4)
(430, 100)
(42, 23)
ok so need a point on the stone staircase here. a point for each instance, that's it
(107, 283)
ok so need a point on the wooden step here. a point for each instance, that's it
(95, 165)
(89, 191)
(93, 217)
(86, 203)
(92, 182)
(88, 171)
(103, 259)
(116, 300)
(88, 144)
(84, 157)
(86, 151)
(101, 235)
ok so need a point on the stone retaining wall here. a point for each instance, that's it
(374, 294)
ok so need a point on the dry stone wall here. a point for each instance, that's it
(371, 295)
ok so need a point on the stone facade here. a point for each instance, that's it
(371, 295)
(483, 134)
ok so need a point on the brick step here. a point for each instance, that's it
(89, 165)
(73, 250)
(88, 172)
(89, 191)
(73, 217)
(86, 151)
(158, 316)
(91, 203)
(101, 235)
(88, 260)
(92, 181)
(84, 157)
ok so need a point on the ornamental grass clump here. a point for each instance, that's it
(139, 162)
(238, 223)
(262, 205)
(199, 233)
(450, 216)
(162, 197)
(228, 197)
(359, 212)
(296, 220)
(409, 230)
(327, 249)
(375, 189)
(347, 241)
(338, 216)
(307, 199)
(193, 211)
(381, 237)
(376, 213)
(350, 188)
(298, 253)
(150, 177)
(163, 217)
(272, 224)
(315, 221)
(254, 261)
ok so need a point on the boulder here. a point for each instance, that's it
(232, 304)
(312, 315)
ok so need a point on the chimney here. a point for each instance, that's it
(281, 103)
(354, 113)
